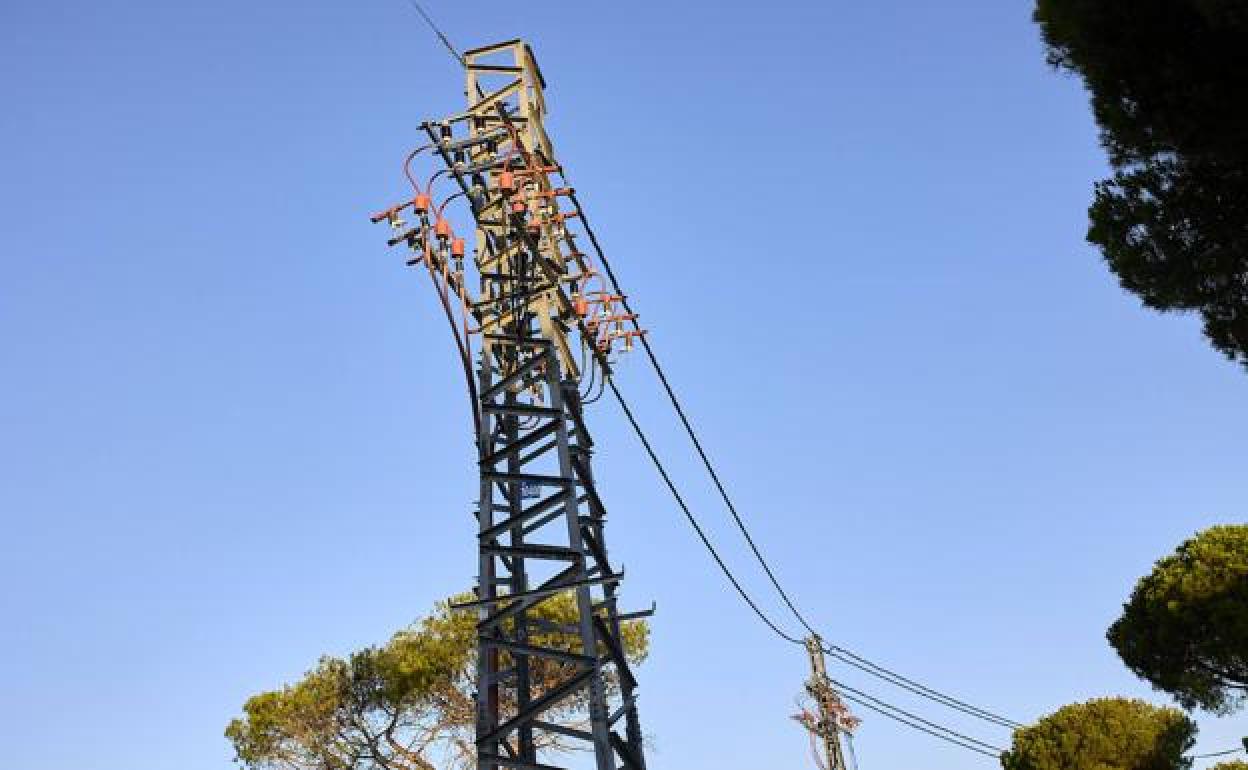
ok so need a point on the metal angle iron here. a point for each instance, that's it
(536, 328)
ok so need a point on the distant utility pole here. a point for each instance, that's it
(830, 716)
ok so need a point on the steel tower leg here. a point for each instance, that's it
(535, 474)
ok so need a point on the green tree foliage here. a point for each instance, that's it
(1168, 80)
(1231, 766)
(1104, 734)
(404, 705)
(1185, 628)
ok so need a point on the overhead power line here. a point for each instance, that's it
(1226, 753)
(862, 664)
(693, 521)
(919, 727)
(840, 653)
(869, 701)
(458, 57)
(845, 689)
(684, 419)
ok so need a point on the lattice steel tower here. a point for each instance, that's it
(546, 329)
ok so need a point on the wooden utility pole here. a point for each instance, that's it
(832, 717)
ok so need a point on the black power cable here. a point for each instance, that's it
(875, 704)
(862, 664)
(921, 728)
(693, 522)
(1226, 753)
(684, 419)
(845, 690)
(840, 653)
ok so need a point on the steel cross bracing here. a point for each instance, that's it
(546, 324)
(533, 548)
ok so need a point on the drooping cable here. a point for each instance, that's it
(693, 522)
(920, 728)
(593, 374)
(1226, 753)
(460, 343)
(884, 708)
(602, 388)
(841, 653)
(862, 664)
(814, 751)
(842, 689)
(853, 755)
(684, 419)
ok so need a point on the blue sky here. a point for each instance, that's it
(234, 432)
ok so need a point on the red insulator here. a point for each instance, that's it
(581, 305)
(442, 229)
(457, 248)
(507, 182)
(421, 204)
(517, 207)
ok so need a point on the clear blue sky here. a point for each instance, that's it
(234, 437)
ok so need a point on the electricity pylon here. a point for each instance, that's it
(546, 326)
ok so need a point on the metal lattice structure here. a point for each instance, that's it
(535, 334)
